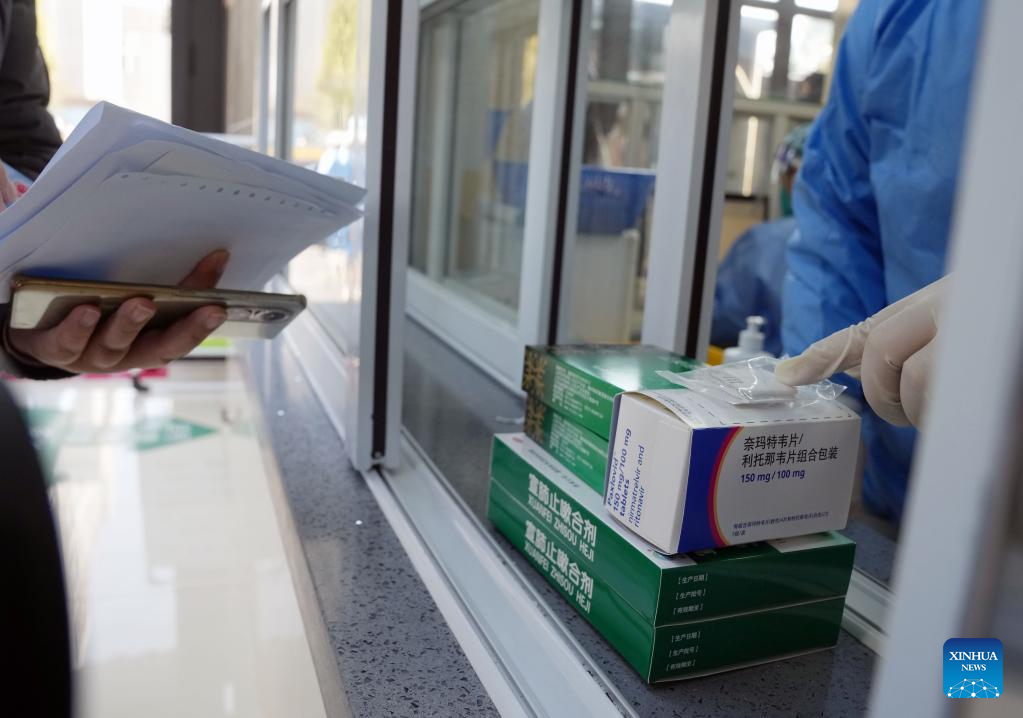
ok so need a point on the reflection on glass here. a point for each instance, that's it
(758, 35)
(120, 53)
(749, 159)
(747, 187)
(822, 5)
(330, 91)
(477, 69)
(244, 63)
(325, 83)
(810, 54)
(620, 132)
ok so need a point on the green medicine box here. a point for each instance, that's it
(684, 649)
(666, 589)
(580, 450)
(581, 381)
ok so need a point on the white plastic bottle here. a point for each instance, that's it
(751, 342)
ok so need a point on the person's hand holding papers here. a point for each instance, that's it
(82, 344)
(130, 199)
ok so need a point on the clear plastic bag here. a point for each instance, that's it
(751, 382)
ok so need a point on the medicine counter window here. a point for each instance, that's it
(477, 65)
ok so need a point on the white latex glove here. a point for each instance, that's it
(890, 351)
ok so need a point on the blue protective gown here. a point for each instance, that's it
(874, 195)
(750, 281)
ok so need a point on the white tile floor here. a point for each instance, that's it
(182, 603)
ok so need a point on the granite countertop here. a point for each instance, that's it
(394, 657)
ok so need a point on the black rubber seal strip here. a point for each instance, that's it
(561, 232)
(714, 110)
(385, 238)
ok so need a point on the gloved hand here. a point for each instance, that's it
(891, 352)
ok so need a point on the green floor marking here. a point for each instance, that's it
(154, 433)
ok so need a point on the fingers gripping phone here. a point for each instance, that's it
(43, 303)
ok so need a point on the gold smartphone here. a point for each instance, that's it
(42, 303)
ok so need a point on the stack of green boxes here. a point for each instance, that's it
(670, 617)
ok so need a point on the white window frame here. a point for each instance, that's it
(688, 102)
(350, 384)
(496, 345)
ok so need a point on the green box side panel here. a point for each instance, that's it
(673, 651)
(683, 650)
(603, 551)
(581, 381)
(579, 449)
(622, 627)
(720, 582)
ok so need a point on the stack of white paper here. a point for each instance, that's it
(129, 198)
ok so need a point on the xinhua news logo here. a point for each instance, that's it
(973, 668)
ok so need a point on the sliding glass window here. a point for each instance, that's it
(477, 66)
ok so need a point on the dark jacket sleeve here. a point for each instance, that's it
(28, 134)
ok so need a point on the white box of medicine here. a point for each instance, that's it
(688, 472)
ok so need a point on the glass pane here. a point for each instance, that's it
(758, 35)
(749, 156)
(746, 206)
(324, 83)
(120, 53)
(822, 5)
(620, 132)
(477, 68)
(810, 53)
(244, 34)
(330, 84)
(628, 40)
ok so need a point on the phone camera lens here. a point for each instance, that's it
(268, 315)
